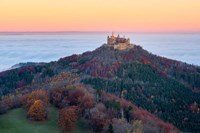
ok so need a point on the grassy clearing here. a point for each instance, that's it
(15, 122)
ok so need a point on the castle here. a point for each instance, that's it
(118, 42)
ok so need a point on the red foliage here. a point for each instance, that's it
(99, 118)
(57, 96)
(20, 83)
(89, 66)
(145, 61)
(162, 73)
(129, 56)
(148, 118)
(75, 96)
(26, 68)
(124, 104)
(97, 69)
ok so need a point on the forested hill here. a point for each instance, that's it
(167, 88)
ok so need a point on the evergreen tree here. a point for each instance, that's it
(110, 129)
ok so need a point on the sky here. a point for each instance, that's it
(100, 15)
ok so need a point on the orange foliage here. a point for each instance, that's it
(87, 101)
(68, 118)
(37, 111)
(36, 95)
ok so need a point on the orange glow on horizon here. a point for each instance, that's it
(100, 15)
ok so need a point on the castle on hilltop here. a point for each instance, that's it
(120, 43)
(117, 40)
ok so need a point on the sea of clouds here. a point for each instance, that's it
(45, 47)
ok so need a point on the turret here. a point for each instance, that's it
(113, 35)
(108, 39)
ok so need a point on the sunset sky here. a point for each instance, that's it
(100, 15)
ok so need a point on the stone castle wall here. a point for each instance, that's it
(123, 46)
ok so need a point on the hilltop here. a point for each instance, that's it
(158, 90)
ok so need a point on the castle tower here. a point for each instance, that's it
(113, 35)
(108, 38)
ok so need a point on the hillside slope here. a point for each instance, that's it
(167, 88)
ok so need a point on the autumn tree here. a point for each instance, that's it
(86, 104)
(99, 118)
(87, 101)
(75, 96)
(56, 96)
(36, 95)
(68, 118)
(37, 111)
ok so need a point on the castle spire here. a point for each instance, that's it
(113, 35)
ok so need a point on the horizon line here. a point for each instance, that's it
(160, 32)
